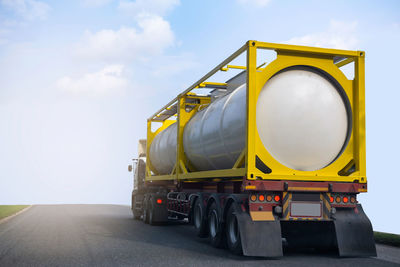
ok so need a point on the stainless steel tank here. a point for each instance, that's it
(302, 119)
(163, 150)
(214, 138)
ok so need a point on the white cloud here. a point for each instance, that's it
(108, 81)
(340, 35)
(27, 9)
(95, 3)
(172, 65)
(158, 7)
(257, 3)
(127, 44)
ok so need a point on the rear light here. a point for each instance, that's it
(331, 199)
(344, 199)
(266, 196)
(159, 201)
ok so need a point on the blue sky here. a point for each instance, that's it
(79, 78)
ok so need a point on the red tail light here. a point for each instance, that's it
(277, 198)
(345, 199)
(261, 198)
(159, 201)
(331, 199)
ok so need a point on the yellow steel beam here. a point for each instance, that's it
(359, 122)
(305, 49)
(204, 84)
(239, 67)
(182, 166)
(161, 177)
(215, 173)
(259, 67)
(240, 160)
(344, 62)
(236, 67)
(251, 101)
(201, 174)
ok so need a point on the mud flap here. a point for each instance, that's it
(160, 210)
(260, 238)
(354, 233)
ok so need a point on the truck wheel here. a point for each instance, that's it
(135, 212)
(232, 232)
(136, 215)
(146, 210)
(215, 227)
(199, 218)
(151, 211)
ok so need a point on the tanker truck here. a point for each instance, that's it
(273, 156)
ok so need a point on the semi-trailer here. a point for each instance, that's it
(273, 155)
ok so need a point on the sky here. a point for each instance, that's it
(78, 80)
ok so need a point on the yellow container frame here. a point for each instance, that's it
(327, 60)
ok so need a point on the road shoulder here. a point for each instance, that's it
(388, 253)
(3, 220)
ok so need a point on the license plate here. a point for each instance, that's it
(305, 209)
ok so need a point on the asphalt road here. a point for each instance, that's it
(105, 235)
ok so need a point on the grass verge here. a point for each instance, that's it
(387, 239)
(7, 210)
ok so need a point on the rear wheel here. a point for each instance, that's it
(215, 226)
(151, 211)
(199, 219)
(146, 210)
(232, 232)
(135, 212)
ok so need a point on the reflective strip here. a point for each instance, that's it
(250, 187)
(262, 216)
(326, 205)
(286, 197)
(296, 188)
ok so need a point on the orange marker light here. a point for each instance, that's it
(253, 197)
(277, 198)
(345, 199)
(261, 197)
(159, 201)
(338, 199)
(331, 199)
(269, 198)
(353, 200)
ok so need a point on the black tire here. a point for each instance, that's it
(151, 211)
(215, 227)
(200, 219)
(136, 215)
(146, 209)
(233, 239)
(135, 212)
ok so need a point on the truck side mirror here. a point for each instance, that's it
(130, 168)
